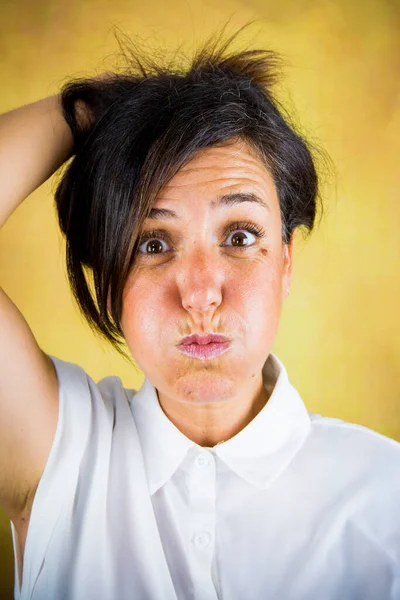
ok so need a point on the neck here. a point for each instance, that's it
(210, 424)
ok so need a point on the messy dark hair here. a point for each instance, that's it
(142, 126)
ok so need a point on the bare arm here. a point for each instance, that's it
(34, 141)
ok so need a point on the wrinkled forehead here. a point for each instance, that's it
(221, 175)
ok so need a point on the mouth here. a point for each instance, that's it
(204, 347)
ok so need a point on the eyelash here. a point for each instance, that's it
(258, 232)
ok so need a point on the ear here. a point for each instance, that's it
(287, 266)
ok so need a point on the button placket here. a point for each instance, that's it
(202, 486)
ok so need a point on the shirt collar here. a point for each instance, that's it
(258, 453)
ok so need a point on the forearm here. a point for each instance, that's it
(34, 142)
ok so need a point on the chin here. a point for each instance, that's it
(203, 387)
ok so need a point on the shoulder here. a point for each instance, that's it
(73, 377)
(355, 455)
(93, 417)
(94, 404)
(351, 436)
(359, 470)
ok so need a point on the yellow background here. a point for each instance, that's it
(339, 335)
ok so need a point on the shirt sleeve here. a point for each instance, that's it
(82, 413)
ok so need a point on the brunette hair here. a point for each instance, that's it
(133, 131)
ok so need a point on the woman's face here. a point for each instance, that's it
(211, 261)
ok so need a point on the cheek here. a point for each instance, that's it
(258, 303)
(256, 290)
(143, 311)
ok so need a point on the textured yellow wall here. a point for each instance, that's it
(339, 334)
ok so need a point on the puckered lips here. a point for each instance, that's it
(204, 347)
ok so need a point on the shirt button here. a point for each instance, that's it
(202, 540)
(202, 460)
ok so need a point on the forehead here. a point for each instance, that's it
(230, 167)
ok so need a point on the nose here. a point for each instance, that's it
(200, 283)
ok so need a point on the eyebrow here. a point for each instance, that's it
(225, 200)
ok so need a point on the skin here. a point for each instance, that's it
(200, 280)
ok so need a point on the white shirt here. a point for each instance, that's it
(294, 507)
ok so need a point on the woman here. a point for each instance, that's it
(213, 480)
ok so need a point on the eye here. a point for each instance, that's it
(239, 239)
(153, 243)
(242, 235)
